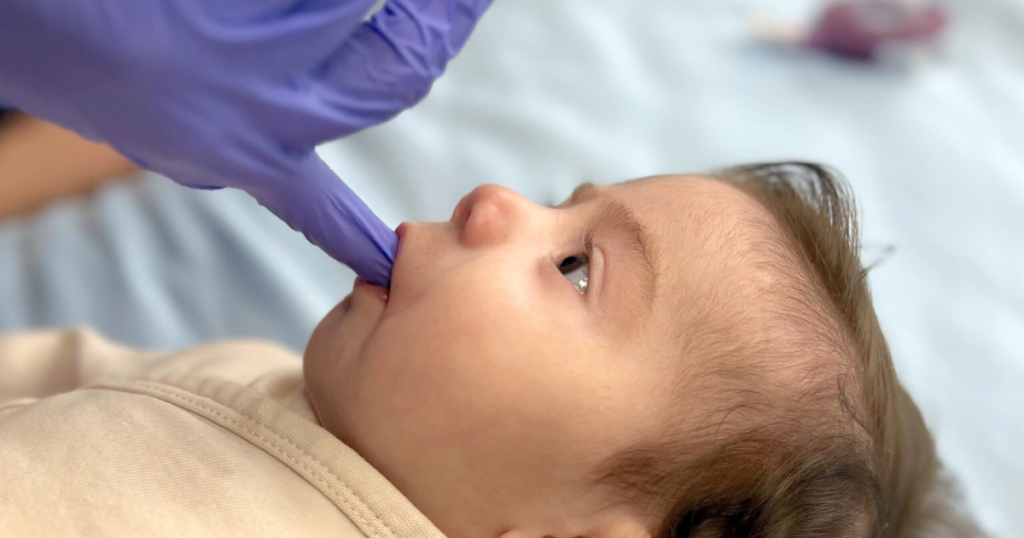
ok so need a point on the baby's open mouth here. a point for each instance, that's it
(381, 293)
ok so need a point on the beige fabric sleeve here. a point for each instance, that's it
(35, 365)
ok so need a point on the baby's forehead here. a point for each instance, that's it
(713, 239)
(694, 210)
(684, 188)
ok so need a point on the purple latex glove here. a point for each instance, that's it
(237, 93)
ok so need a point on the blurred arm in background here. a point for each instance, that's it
(41, 163)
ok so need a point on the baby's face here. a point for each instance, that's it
(490, 374)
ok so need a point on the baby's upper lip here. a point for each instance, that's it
(400, 232)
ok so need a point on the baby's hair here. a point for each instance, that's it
(847, 453)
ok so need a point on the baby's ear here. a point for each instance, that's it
(617, 527)
(621, 526)
(612, 522)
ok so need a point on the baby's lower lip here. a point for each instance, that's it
(379, 292)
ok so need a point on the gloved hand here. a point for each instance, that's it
(236, 93)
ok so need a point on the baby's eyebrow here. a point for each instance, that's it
(581, 193)
(618, 216)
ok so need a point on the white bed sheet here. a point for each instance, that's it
(552, 93)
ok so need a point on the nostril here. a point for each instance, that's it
(460, 207)
(483, 224)
(486, 215)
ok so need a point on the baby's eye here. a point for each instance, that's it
(576, 269)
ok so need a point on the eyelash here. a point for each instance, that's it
(587, 243)
(585, 251)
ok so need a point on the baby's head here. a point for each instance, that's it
(689, 354)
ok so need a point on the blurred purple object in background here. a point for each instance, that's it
(860, 29)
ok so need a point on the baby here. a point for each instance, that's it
(671, 356)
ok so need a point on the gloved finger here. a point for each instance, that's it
(388, 64)
(331, 216)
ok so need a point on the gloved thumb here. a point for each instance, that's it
(323, 208)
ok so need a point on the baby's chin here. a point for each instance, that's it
(333, 359)
(348, 326)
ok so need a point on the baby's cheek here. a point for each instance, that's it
(431, 363)
(472, 358)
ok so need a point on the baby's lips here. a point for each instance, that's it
(401, 231)
(380, 292)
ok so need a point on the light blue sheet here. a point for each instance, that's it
(551, 93)
(154, 264)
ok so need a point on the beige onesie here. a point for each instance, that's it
(100, 440)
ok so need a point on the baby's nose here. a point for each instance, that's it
(489, 215)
